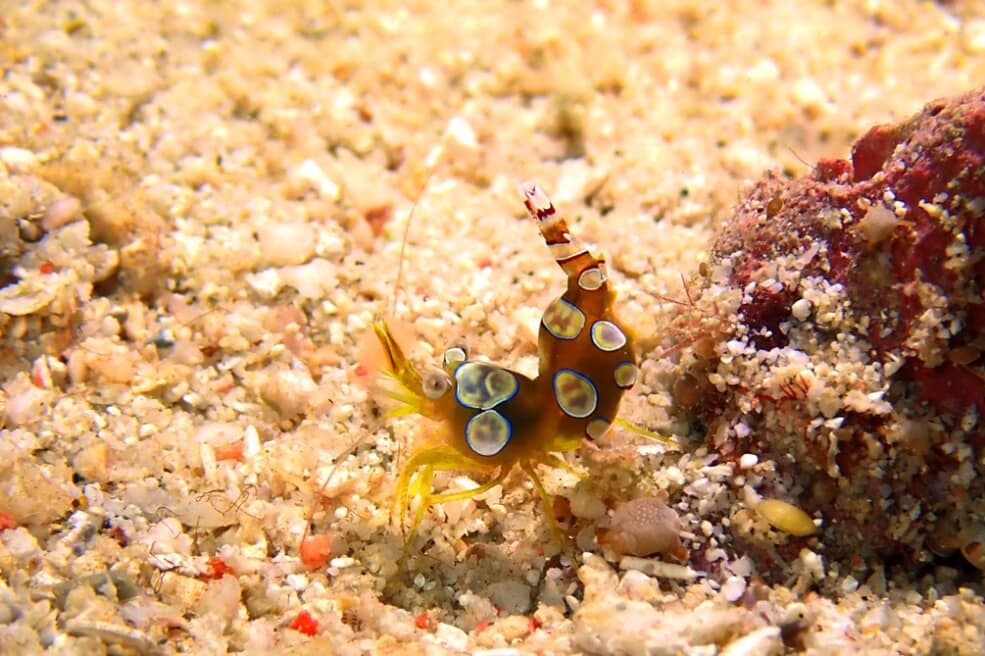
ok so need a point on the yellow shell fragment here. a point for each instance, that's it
(786, 517)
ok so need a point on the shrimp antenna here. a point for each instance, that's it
(432, 161)
(338, 460)
(798, 157)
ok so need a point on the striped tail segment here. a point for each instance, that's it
(570, 253)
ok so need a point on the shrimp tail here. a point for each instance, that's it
(571, 254)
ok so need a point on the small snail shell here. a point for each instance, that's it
(786, 517)
(642, 527)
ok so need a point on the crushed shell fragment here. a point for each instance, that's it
(786, 517)
(659, 568)
(973, 546)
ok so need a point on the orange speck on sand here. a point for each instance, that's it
(231, 451)
(46, 267)
(423, 621)
(305, 623)
(7, 521)
(316, 550)
(371, 361)
(378, 217)
(224, 383)
(217, 569)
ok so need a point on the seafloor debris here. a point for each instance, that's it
(786, 517)
(47, 262)
(644, 526)
(848, 320)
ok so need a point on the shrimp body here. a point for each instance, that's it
(493, 419)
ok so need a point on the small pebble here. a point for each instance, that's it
(287, 243)
(801, 309)
(734, 588)
(510, 596)
(585, 504)
(658, 568)
(18, 160)
(451, 637)
(761, 642)
(461, 131)
(251, 442)
(311, 173)
(62, 211)
(748, 461)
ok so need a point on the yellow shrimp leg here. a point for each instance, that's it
(547, 502)
(552, 460)
(416, 477)
(669, 441)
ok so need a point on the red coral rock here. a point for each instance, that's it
(950, 388)
(934, 186)
(891, 244)
(870, 153)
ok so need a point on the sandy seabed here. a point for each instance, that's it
(201, 208)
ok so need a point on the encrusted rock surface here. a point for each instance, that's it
(852, 352)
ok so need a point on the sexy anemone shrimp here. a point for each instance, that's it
(491, 419)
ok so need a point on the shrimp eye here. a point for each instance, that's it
(454, 356)
(436, 384)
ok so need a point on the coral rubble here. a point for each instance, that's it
(847, 312)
